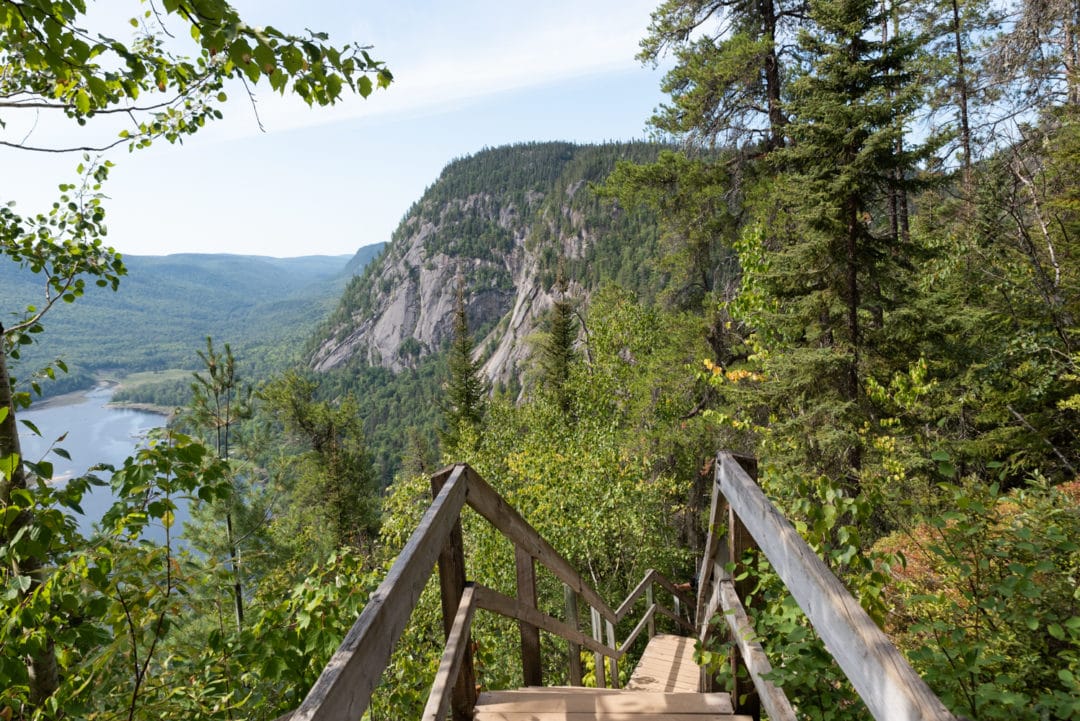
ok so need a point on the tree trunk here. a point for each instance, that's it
(42, 667)
(962, 99)
(777, 119)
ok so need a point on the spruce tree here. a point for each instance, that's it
(466, 388)
(557, 354)
(836, 269)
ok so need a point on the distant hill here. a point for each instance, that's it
(167, 305)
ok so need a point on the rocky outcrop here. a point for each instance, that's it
(503, 221)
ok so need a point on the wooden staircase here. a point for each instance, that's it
(571, 703)
(663, 687)
(666, 683)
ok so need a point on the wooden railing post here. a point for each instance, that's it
(573, 649)
(530, 635)
(648, 605)
(598, 658)
(744, 696)
(612, 661)
(452, 586)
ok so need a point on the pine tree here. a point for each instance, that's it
(728, 82)
(218, 404)
(466, 389)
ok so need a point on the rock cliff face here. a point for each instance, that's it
(504, 220)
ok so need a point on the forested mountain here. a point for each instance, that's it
(507, 221)
(859, 264)
(167, 305)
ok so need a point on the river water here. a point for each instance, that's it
(96, 433)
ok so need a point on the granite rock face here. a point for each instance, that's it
(520, 213)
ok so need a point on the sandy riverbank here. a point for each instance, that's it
(104, 389)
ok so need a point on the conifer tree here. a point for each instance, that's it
(557, 348)
(836, 268)
(217, 405)
(466, 389)
(728, 82)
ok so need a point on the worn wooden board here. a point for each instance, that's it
(602, 716)
(770, 696)
(667, 665)
(623, 701)
(880, 674)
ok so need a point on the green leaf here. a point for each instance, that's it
(82, 102)
(8, 464)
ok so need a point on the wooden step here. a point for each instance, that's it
(579, 700)
(667, 665)
(577, 704)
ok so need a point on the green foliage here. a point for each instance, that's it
(55, 64)
(466, 388)
(106, 607)
(332, 489)
(988, 602)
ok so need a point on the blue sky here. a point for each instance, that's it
(468, 74)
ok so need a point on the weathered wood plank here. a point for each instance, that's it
(739, 541)
(530, 634)
(880, 674)
(676, 617)
(451, 587)
(598, 660)
(573, 649)
(666, 665)
(450, 666)
(628, 604)
(630, 701)
(770, 696)
(343, 690)
(712, 547)
(491, 600)
(645, 622)
(485, 501)
(602, 716)
(613, 661)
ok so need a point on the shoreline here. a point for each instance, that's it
(169, 413)
(76, 397)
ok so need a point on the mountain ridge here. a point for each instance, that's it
(507, 221)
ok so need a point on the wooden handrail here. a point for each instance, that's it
(651, 577)
(489, 504)
(344, 688)
(457, 644)
(491, 600)
(887, 684)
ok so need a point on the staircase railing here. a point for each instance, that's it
(882, 677)
(344, 689)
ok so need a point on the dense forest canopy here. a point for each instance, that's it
(858, 257)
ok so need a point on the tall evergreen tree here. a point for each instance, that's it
(836, 268)
(466, 388)
(727, 84)
(556, 348)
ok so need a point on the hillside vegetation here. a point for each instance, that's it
(167, 306)
(858, 263)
